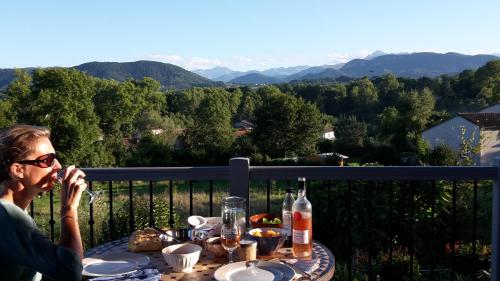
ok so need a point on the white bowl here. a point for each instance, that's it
(182, 257)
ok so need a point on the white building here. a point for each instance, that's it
(482, 128)
(330, 135)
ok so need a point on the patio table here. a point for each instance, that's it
(207, 264)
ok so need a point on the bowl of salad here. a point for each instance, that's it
(265, 220)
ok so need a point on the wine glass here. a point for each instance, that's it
(230, 237)
(93, 194)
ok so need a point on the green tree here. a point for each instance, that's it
(286, 126)
(6, 116)
(333, 100)
(350, 135)
(389, 88)
(18, 93)
(416, 108)
(488, 82)
(363, 93)
(249, 102)
(210, 136)
(61, 99)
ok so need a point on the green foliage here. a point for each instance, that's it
(121, 217)
(153, 151)
(443, 155)
(286, 126)
(61, 99)
(416, 108)
(5, 118)
(350, 135)
(468, 150)
(399, 267)
(210, 136)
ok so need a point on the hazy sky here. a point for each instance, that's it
(242, 35)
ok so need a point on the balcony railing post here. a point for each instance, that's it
(239, 179)
(495, 234)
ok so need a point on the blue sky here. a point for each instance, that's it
(242, 35)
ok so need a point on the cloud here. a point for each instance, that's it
(166, 58)
(187, 63)
(345, 57)
(201, 63)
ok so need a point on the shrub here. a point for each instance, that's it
(161, 216)
(399, 267)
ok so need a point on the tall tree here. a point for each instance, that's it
(61, 99)
(210, 136)
(286, 126)
(350, 135)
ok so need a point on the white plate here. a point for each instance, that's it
(113, 264)
(266, 271)
(109, 268)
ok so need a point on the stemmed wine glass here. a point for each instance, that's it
(230, 237)
(92, 194)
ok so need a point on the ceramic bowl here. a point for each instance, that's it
(182, 257)
(214, 246)
(256, 220)
(267, 246)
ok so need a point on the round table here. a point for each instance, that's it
(207, 264)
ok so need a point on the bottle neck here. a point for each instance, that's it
(302, 192)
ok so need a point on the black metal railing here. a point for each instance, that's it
(342, 189)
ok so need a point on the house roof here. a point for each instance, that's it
(482, 119)
(244, 124)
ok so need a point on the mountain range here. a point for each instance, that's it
(411, 65)
(170, 76)
(407, 65)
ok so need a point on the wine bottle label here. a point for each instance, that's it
(300, 236)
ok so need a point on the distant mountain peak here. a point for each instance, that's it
(375, 54)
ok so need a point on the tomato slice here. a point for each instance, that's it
(297, 216)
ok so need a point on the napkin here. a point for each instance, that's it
(306, 266)
(145, 274)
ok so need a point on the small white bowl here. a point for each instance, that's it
(197, 221)
(182, 257)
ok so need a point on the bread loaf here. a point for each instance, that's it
(145, 240)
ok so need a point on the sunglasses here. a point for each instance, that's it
(43, 161)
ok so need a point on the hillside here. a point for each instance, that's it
(331, 73)
(255, 78)
(169, 75)
(415, 65)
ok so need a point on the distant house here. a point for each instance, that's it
(483, 127)
(244, 124)
(243, 128)
(329, 135)
(156, 131)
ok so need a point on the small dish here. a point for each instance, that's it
(256, 220)
(197, 222)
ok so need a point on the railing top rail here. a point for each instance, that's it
(292, 172)
(157, 173)
(373, 173)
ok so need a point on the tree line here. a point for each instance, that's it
(98, 122)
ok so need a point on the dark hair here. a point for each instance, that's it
(16, 142)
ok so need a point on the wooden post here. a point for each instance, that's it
(239, 180)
